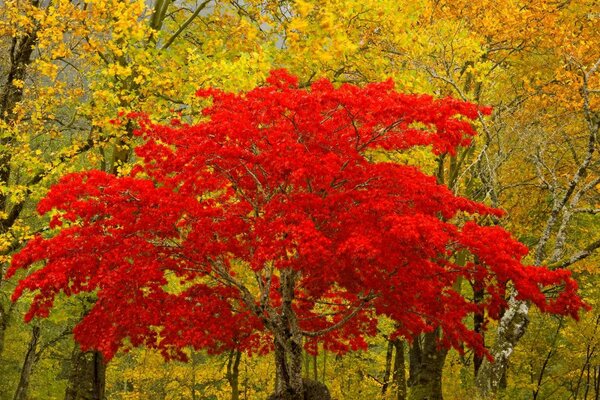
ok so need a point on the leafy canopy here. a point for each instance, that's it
(187, 250)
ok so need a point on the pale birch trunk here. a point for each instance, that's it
(513, 323)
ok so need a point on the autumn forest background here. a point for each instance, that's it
(70, 69)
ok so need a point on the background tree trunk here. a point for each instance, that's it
(4, 316)
(388, 366)
(11, 93)
(324, 365)
(491, 375)
(88, 376)
(233, 373)
(399, 374)
(31, 358)
(426, 365)
(478, 321)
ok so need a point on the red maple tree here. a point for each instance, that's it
(268, 226)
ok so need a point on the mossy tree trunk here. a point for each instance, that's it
(88, 376)
(426, 364)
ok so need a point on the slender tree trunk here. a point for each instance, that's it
(596, 382)
(193, 385)
(233, 373)
(478, 320)
(4, 315)
(31, 358)
(589, 352)
(426, 365)
(399, 374)
(20, 56)
(324, 364)
(514, 323)
(246, 380)
(306, 365)
(11, 93)
(587, 384)
(88, 376)
(3, 326)
(388, 366)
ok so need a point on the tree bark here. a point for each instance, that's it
(31, 357)
(306, 365)
(288, 344)
(4, 315)
(20, 57)
(388, 366)
(88, 376)
(510, 330)
(399, 373)
(478, 321)
(324, 364)
(11, 93)
(426, 365)
(514, 323)
(233, 373)
(288, 363)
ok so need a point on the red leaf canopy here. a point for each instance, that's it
(188, 249)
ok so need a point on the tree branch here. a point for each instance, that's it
(586, 252)
(185, 24)
(344, 320)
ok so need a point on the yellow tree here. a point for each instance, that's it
(546, 73)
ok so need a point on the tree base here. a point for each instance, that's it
(313, 390)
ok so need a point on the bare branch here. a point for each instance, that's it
(586, 252)
(587, 210)
(185, 24)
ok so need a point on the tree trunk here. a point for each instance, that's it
(324, 364)
(281, 370)
(233, 373)
(31, 358)
(306, 365)
(426, 365)
(388, 366)
(11, 93)
(288, 344)
(87, 377)
(511, 328)
(478, 321)
(20, 56)
(288, 364)
(4, 315)
(399, 374)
